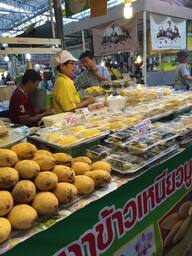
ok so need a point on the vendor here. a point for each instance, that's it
(183, 77)
(20, 109)
(93, 74)
(65, 95)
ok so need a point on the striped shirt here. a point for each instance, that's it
(87, 79)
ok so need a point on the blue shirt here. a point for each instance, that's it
(87, 79)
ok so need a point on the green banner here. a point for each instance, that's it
(148, 216)
(75, 6)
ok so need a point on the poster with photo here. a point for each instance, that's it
(119, 36)
(167, 33)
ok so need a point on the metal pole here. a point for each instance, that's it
(51, 16)
(83, 39)
(59, 21)
(145, 46)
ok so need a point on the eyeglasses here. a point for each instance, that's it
(70, 62)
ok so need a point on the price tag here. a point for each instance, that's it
(160, 95)
(86, 113)
(71, 120)
(143, 127)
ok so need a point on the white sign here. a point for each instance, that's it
(159, 95)
(71, 121)
(143, 127)
(167, 33)
(86, 113)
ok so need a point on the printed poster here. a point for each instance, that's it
(119, 36)
(167, 33)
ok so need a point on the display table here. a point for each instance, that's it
(128, 218)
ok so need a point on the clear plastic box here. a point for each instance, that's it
(98, 152)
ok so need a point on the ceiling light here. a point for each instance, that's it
(128, 11)
(28, 56)
(4, 12)
(102, 64)
(138, 60)
(6, 58)
(10, 7)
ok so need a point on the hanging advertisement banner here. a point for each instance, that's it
(167, 33)
(75, 6)
(119, 36)
(189, 35)
(186, 3)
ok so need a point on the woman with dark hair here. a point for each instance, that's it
(183, 77)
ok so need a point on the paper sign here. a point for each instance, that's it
(86, 113)
(143, 127)
(160, 95)
(71, 120)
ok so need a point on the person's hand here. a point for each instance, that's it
(90, 100)
(49, 112)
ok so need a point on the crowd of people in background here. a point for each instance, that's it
(5, 80)
(72, 76)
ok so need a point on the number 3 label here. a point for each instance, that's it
(22, 109)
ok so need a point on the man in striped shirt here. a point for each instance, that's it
(93, 74)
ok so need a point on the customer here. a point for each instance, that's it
(65, 96)
(93, 75)
(20, 108)
(183, 78)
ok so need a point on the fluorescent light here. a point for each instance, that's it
(9, 7)
(4, 12)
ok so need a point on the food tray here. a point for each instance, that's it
(98, 152)
(14, 136)
(80, 142)
(151, 140)
(133, 161)
(122, 136)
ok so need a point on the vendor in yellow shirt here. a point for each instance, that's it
(65, 95)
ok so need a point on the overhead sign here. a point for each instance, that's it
(119, 36)
(186, 3)
(167, 33)
(75, 6)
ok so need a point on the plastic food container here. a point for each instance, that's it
(124, 163)
(129, 164)
(123, 136)
(98, 152)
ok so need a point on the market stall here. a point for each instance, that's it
(132, 210)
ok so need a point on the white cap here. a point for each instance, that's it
(61, 57)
